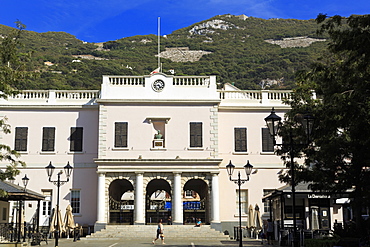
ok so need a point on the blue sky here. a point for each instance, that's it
(105, 20)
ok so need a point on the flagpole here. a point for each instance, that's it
(159, 44)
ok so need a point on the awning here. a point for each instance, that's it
(303, 189)
(16, 193)
(342, 201)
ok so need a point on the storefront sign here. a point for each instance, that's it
(315, 196)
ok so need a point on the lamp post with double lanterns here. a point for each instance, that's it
(68, 171)
(239, 181)
(273, 123)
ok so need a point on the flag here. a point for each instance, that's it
(157, 70)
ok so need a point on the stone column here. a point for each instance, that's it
(215, 193)
(101, 198)
(101, 210)
(177, 208)
(139, 200)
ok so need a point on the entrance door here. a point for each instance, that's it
(324, 213)
(121, 202)
(320, 214)
(158, 202)
(195, 202)
(45, 208)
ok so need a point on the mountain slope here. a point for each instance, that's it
(249, 52)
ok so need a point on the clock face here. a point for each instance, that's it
(158, 85)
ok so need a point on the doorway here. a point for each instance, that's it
(121, 202)
(158, 201)
(196, 201)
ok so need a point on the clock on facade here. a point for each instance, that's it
(158, 85)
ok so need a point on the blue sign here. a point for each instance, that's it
(191, 205)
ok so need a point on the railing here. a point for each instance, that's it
(9, 232)
(84, 94)
(55, 97)
(31, 94)
(59, 94)
(126, 80)
(256, 96)
(242, 94)
(119, 205)
(279, 95)
(200, 81)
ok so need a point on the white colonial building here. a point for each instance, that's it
(148, 147)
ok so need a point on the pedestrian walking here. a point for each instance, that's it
(160, 233)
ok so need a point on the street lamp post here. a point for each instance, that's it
(248, 169)
(25, 180)
(273, 123)
(68, 171)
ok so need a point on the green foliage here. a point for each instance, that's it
(325, 242)
(340, 157)
(12, 73)
(239, 55)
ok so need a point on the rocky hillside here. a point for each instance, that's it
(249, 52)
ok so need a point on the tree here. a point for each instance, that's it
(339, 158)
(12, 73)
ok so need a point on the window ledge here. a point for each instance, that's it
(120, 149)
(75, 152)
(243, 215)
(196, 149)
(158, 149)
(77, 215)
(22, 152)
(267, 153)
(48, 152)
(240, 153)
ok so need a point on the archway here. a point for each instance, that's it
(158, 201)
(196, 201)
(121, 202)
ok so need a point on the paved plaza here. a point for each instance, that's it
(148, 242)
(115, 242)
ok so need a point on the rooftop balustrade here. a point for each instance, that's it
(50, 97)
(88, 97)
(254, 97)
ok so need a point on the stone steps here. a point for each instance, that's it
(149, 231)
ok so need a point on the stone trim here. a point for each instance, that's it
(214, 131)
(102, 149)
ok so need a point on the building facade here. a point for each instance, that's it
(147, 147)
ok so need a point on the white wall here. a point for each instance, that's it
(84, 175)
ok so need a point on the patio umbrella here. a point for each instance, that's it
(69, 221)
(250, 217)
(315, 218)
(257, 218)
(53, 223)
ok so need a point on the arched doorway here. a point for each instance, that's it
(158, 201)
(121, 202)
(196, 198)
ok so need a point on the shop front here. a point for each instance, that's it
(315, 212)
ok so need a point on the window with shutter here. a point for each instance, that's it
(240, 138)
(267, 141)
(48, 139)
(120, 134)
(76, 139)
(196, 137)
(21, 139)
